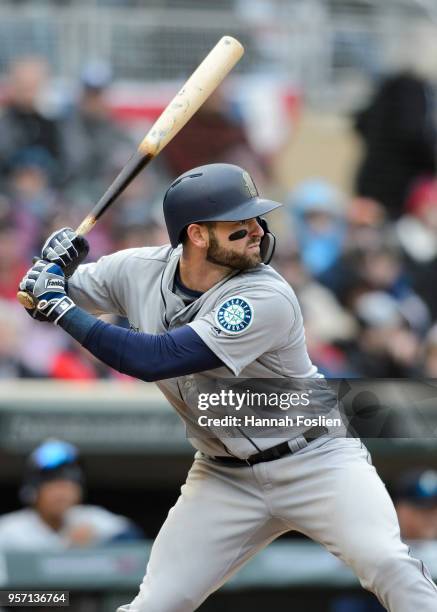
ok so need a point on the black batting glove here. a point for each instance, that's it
(66, 249)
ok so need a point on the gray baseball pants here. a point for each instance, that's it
(328, 491)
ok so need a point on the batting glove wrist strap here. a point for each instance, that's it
(55, 309)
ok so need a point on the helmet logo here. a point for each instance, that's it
(249, 185)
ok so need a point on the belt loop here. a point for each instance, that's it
(297, 444)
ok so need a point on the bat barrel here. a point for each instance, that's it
(200, 85)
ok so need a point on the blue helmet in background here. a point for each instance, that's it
(417, 486)
(52, 460)
(215, 192)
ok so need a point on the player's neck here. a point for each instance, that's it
(198, 274)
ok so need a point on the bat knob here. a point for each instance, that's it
(26, 300)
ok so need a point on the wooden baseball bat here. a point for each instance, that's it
(204, 80)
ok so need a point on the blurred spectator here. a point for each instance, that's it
(42, 345)
(20, 359)
(382, 268)
(73, 362)
(54, 517)
(13, 262)
(415, 498)
(399, 134)
(365, 228)
(138, 220)
(386, 347)
(372, 261)
(318, 216)
(11, 363)
(95, 141)
(327, 323)
(33, 200)
(23, 124)
(429, 361)
(46, 353)
(132, 235)
(216, 133)
(365, 219)
(416, 231)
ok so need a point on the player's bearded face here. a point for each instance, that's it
(243, 256)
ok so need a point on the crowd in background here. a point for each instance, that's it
(362, 265)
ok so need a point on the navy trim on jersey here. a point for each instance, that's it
(149, 357)
(190, 293)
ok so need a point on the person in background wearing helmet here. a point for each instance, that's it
(54, 517)
(415, 497)
(204, 310)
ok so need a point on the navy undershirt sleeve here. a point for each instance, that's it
(148, 357)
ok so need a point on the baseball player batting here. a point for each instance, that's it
(206, 307)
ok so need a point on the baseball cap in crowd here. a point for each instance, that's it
(418, 487)
(96, 75)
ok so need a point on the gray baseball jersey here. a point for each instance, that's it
(327, 489)
(251, 320)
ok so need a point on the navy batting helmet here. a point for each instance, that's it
(215, 192)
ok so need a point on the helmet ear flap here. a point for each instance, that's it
(268, 242)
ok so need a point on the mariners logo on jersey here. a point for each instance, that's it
(235, 315)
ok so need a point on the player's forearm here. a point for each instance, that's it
(78, 323)
(148, 357)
